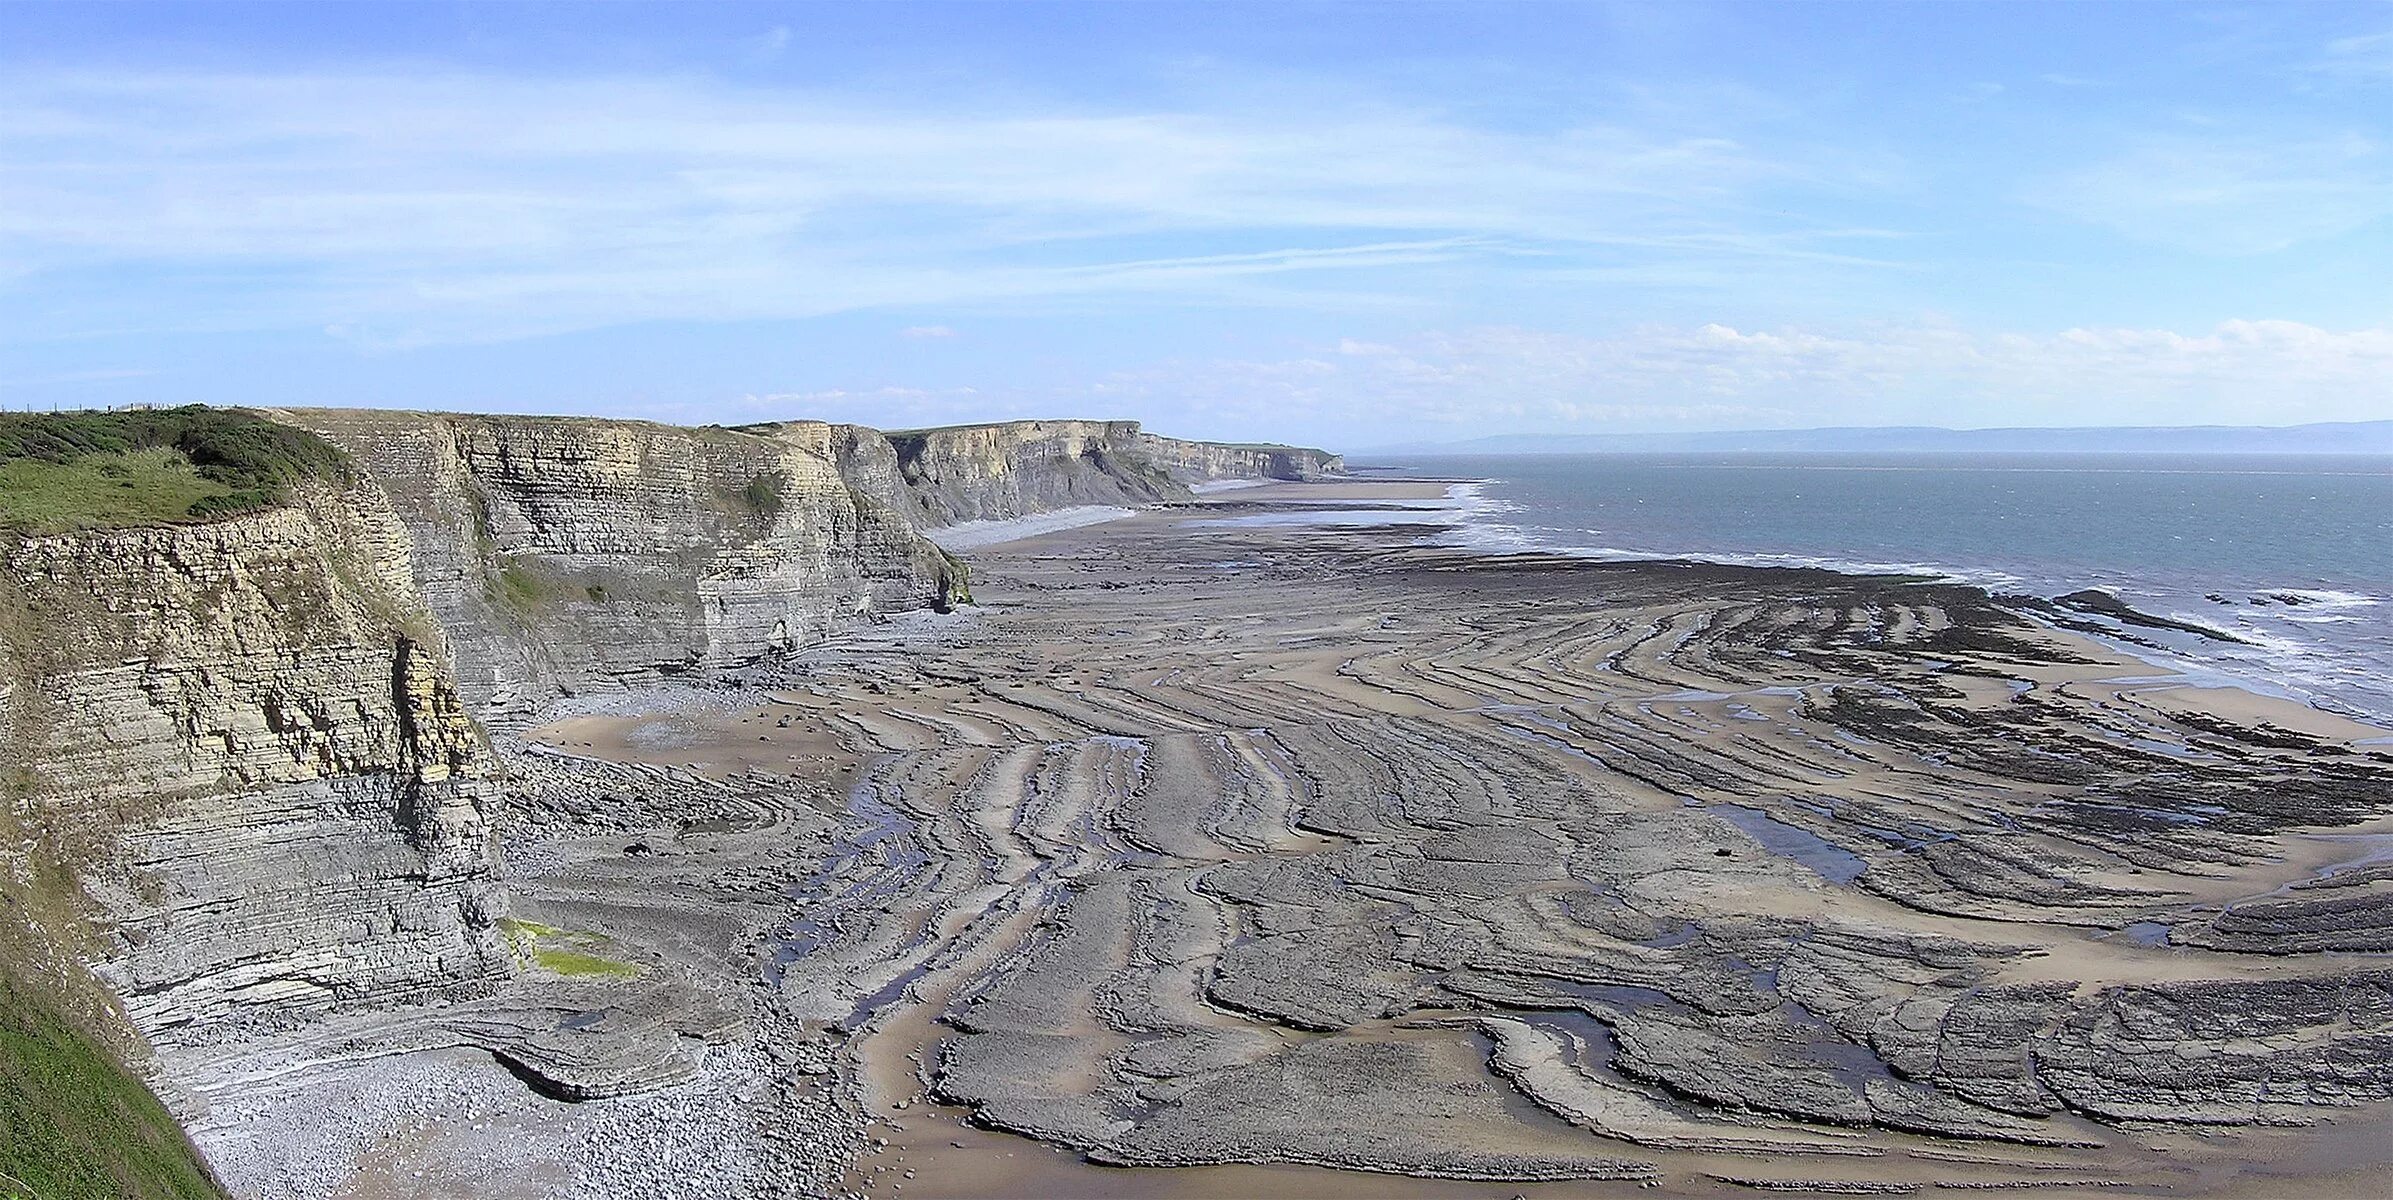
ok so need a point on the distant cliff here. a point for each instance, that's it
(2333, 437)
(1202, 461)
(983, 472)
(564, 553)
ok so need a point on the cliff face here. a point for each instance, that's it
(566, 553)
(242, 778)
(984, 472)
(241, 775)
(1201, 461)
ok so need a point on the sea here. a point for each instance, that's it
(2290, 555)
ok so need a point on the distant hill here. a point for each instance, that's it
(2340, 437)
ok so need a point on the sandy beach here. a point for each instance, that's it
(1221, 859)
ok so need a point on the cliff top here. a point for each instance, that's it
(108, 470)
(1015, 423)
(770, 428)
(1133, 426)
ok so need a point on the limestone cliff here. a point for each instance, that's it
(247, 781)
(1201, 461)
(563, 554)
(242, 778)
(984, 472)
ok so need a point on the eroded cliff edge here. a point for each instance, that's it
(250, 783)
(563, 554)
(242, 762)
(1014, 468)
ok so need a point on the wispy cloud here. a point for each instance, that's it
(1715, 376)
(2365, 58)
(405, 208)
(98, 375)
(2232, 193)
(926, 332)
(772, 42)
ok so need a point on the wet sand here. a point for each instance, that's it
(1213, 860)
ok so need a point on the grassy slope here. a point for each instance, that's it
(74, 1123)
(102, 491)
(100, 470)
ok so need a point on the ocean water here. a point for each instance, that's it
(2292, 554)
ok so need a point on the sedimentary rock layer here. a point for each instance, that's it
(1234, 848)
(248, 776)
(1205, 846)
(1203, 461)
(239, 753)
(563, 554)
(989, 472)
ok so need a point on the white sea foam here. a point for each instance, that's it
(1501, 538)
(2284, 650)
(2323, 598)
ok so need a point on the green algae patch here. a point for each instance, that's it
(954, 586)
(765, 496)
(564, 951)
(74, 1123)
(581, 963)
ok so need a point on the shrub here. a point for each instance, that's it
(763, 495)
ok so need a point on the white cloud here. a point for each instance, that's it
(413, 208)
(2367, 58)
(2232, 194)
(1718, 377)
(921, 332)
(879, 407)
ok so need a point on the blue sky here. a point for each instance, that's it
(1337, 224)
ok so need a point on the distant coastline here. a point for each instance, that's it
(2334, 437)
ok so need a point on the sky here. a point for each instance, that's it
(1340, 225)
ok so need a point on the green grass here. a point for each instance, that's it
(103, 491)
(95, 470)
(74, 1123)
(523, 587)
(530, 940)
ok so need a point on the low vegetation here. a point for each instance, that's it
(74, 1123)
(104, 470)
(521, 584)
(764, 496)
